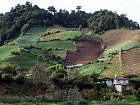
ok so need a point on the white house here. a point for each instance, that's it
(121, 85)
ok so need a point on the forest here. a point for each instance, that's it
(22, 17)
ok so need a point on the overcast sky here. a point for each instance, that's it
(129, 7)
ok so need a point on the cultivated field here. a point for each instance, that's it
(5, 51)
(56, 36)
(131, 61)
(71, 34)
(30, 37)
(25, 60)
(62, 35)
(113, 68)
(117, 40)
(60, 45)
(116, 37)
(87, 51)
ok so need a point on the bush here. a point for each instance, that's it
(131, 98)
(7, 68)
(138, 94)
(57, 31)
(15, 53)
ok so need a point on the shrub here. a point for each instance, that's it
(131, 98)
(15, 53)
(138, 94)
(40, 74)
(7, 68)
(57, 31)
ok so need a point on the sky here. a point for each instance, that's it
(129, 7)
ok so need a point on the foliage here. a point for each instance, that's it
(58, 73)
(104, 20)
(138, 95)
(40, 75)
(30, 37)
(71, 34)
(5, 51)
(54, 45)
(7, 68)
(20, 18)
(131, 98)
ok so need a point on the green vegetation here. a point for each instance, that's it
(71, 34)
(30, 37)
(97, 66)
(54, 45)
(112, 69)
(40, 51)
(25, 60)
(5, 51)
(123, 46)
(104, 20)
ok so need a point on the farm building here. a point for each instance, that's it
(121, 85)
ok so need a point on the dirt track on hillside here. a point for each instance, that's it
(87, 51)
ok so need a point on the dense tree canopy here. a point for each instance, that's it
(22, 17)
(105, 20)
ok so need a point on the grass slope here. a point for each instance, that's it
(5, 51)
(30, 37)
(25, 60)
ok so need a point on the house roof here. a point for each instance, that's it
(117, 78)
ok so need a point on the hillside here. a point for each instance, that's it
(119, 41)
(62, 56)
(131, 61)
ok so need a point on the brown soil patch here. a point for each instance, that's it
(131, 61)
(87, 51)
(119, 36)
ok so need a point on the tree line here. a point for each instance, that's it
(22, 17)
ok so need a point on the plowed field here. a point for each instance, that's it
(131, 61)
(86, 51)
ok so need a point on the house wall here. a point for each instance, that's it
(118, 88)
(109, 83)
(119, 81)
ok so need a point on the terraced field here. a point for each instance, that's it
(115, 37)
(56, 36)
(25, 60)
(113, 68)
(71, 34)
(5, 51)
(30, 37)
(131, 61)
(61, 45)
(62, 35)
(87, 51)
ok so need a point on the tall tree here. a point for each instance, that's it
(78, 8)
(52, 9)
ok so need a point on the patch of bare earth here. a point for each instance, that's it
(87, 51)
(131, 61)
